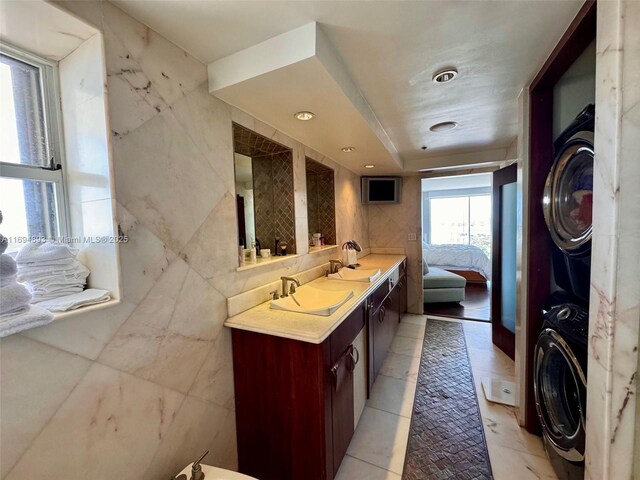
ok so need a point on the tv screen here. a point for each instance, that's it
(381, 189)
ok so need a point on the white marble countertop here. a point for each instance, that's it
(313, 328)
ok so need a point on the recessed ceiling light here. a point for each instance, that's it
(443, 126)
(304, 116)
(348, 149)
(444, 76)
(370, 165)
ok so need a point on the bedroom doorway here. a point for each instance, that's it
(457, 239)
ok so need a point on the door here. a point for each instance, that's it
(504, 259)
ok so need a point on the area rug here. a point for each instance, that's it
(446, 439)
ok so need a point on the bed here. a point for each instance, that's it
(467, 261)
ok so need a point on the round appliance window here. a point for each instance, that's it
(574, 196)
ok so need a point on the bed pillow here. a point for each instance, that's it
(425, 266)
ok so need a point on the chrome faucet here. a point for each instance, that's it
(285, 281)
(196, 469)
(333, 266)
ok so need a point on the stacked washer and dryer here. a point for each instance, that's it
(560, 364)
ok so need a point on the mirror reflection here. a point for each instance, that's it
(321, 210)
(264, 194)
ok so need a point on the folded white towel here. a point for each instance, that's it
(91, 296)
(23, 319)
(62, 292)
(74, 272)
(8, 266)
(13, 296)
(45, 252)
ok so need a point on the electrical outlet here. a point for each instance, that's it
(412, 237)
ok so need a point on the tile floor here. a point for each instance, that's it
(378, 447)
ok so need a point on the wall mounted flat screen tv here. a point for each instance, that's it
(381, 189)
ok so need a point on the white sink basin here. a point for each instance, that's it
(313, 301)
(215, 473)
(351, 275)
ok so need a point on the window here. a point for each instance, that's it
(460, 219)
(32, 197)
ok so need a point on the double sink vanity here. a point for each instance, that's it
(304, 365)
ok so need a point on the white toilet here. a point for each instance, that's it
(215, 473)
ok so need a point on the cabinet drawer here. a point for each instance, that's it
(346, 333)
(379, 295)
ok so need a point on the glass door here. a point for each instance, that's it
(504, 259)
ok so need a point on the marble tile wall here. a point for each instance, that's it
(615, 272)
(389, 227)
(140, 389)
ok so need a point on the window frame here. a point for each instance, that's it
(453, 193)
(54, 172)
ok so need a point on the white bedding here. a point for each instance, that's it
(457, 257)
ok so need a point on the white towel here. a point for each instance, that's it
(44, 296)
(90, 296)
(45, 252)
(13, 296)
(23, 319)
(4, 281)
(74, 271)
(8, 266)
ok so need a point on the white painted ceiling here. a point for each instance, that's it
(391, 49)
(475, 180)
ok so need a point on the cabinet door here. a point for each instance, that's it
(359, 376)
(381, 339)
(342, 405)
(402, 291)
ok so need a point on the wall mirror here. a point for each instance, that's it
(264, 192)
(321, 205)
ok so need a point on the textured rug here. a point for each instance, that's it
(446, 440)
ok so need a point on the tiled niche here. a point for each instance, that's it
(273, 191)
(321, 206)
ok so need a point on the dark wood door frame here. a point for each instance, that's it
(578, 36)
(504, 339)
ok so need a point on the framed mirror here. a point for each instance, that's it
(321, 205)
(264, 193)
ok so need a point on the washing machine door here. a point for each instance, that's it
(568, 195)
(560, 393)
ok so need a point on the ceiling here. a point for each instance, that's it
(391, 49)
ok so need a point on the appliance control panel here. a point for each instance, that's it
(571, 319)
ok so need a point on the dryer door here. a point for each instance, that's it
(560, 390)
(568, 195)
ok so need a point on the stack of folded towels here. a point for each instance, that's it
(16, 314)
(50, 270)
(55, 278)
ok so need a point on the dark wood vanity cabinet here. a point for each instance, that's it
(294, 402)
(385, 306)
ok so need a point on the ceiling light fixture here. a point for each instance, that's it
(370, 165)
(444, 76)
(443, 126)
(348, 149)
(304, 116)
